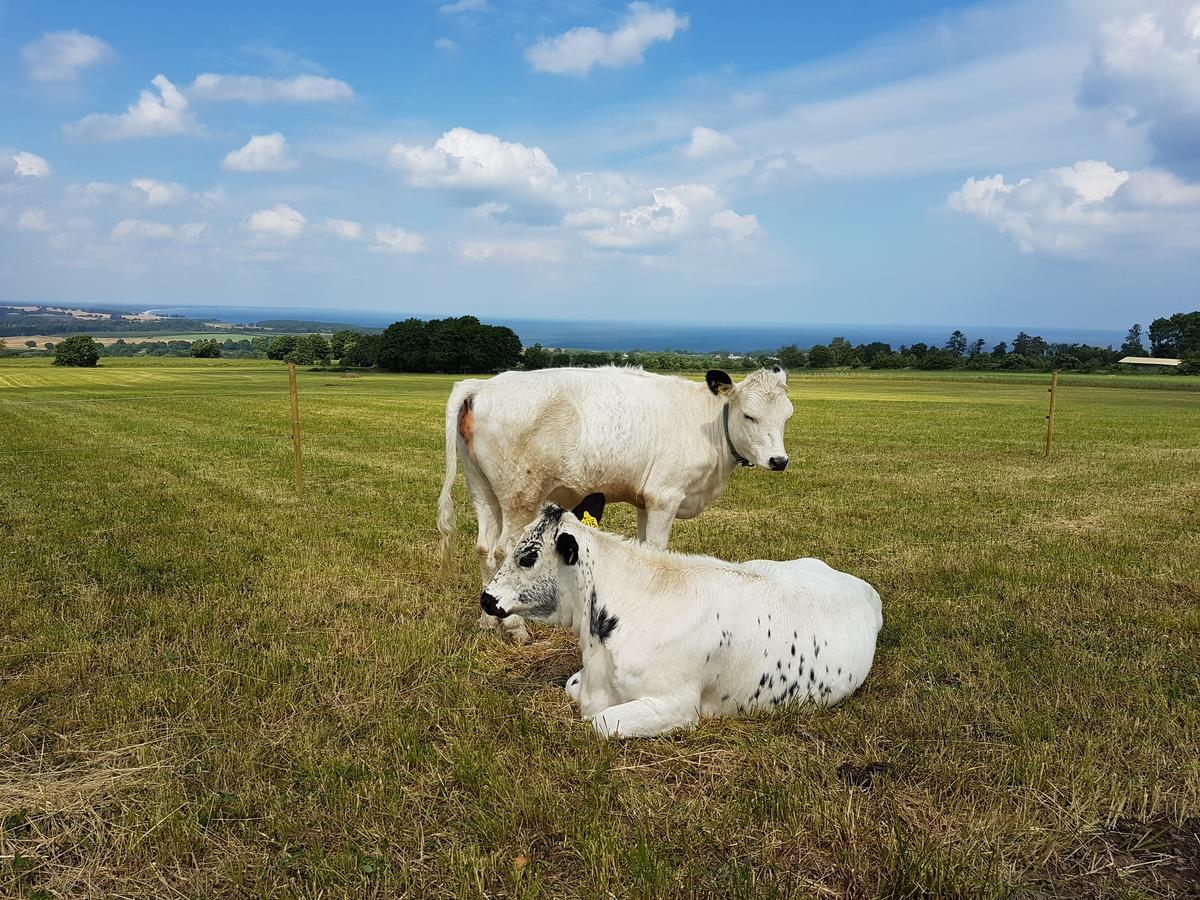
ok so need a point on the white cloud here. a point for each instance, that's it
(673, 214)
(707, 142)
(577, 51)
(509, 251)
(153, 115)
(393, 239)
(344, 228)
(159, 193)
(193, 231)
(30, 165)
(256, 89)
(141, 229)
(738, 228)
(91, 193)
(61, 55)
(33, 219)
(462, 158)
(279, 221)
(445, 45)
(1087, 209)
(1145, 69)
(262, 153)
(464, 6)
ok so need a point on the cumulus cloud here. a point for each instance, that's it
(280, 221)
(1086, 209)
(30, 165)
(262, 153)
(91, 193)
(159, 193)
(671, 215)
(61, 55)
(462, 158)
(33, 219)
(1145, 69)
(344, 228)
(707, 142)
(153, 115)
(393, 239)
(509, 251)
(578, 51)
(774, 172)
(445, 45)
(257, 89)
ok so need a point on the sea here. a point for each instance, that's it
(600, 334)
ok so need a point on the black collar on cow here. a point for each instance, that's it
(741, 460)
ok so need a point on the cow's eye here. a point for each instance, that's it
(750, 418)
(527, 561)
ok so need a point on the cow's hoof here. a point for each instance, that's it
(574, 686)
(490, 623)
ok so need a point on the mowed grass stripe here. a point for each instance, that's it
(279, 694)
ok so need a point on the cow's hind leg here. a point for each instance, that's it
(488, 515)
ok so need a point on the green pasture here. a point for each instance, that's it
(211, 686)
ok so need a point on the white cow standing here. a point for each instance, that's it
(665, 444)
(667, 638)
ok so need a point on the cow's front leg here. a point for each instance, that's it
(660, 516)
(513, 626)
(646, 717)
(643, 517)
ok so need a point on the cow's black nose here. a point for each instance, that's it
(490, 606)
(778, 463)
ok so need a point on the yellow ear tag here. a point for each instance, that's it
(589, 520)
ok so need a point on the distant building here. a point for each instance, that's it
(1150, 361)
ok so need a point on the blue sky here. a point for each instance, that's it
(1023, 163)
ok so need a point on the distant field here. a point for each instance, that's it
(211, 686)
(132, 337)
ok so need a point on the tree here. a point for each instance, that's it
(957, 344)
(318, 347)
(206, 349)
(1133, 345)
(842, 350)
(792, 357)
(977, 349)
(820, 357)
(1176, 336)
(77, 350)
(281, 346)
(1000, 349)
(31, 344)
(363, 352)
(340, 341)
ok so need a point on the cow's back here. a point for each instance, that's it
(602, 429)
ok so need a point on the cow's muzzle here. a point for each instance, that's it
(491, 606)
(778, 463)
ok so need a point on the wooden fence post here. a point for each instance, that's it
(295, 424)
(1049, 418)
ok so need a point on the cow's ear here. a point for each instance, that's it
(718, 382)
(568, 548)
(779, 372)
(593, 504)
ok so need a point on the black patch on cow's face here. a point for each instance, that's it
(567, 548)
(592, 503)
(716, 379)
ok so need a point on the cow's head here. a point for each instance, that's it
(759, 410)
(529, 581)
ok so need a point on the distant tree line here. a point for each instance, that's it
(465, 345)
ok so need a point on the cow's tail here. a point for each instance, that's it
(458, 418)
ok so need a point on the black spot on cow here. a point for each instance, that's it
(793, 649)
(812, 674)
(602, 625)
(716, 379)
(768, 632)
(592, 503)
(762, 680)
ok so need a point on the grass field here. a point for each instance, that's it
(132, 337)
(210, 686)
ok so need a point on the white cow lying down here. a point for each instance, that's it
(667, 637)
